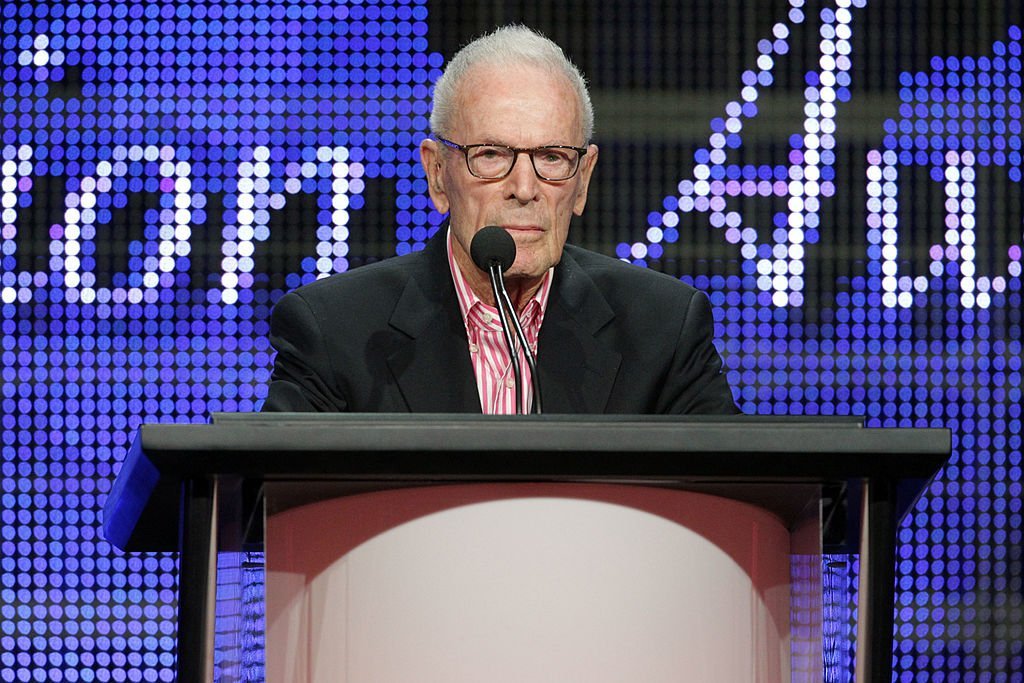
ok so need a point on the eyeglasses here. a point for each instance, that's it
(493, 162)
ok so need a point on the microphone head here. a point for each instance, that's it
(493, 245)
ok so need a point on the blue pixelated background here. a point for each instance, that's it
(842, 176)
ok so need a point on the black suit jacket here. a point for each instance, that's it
(389, 337)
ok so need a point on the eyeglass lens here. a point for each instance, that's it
(550, 163)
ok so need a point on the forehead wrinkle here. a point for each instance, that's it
(487, 75)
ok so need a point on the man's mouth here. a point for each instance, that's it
(523, 228)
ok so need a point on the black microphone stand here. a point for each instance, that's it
(531, 361)
(498, 286)
(493, 250)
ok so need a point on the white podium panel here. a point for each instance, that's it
(527, 582)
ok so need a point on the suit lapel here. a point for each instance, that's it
(430, 360)
(577, 369)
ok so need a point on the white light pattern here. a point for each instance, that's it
(255, 200)
(955, 257)
(172, 231)
(778, 264)
(40, 55)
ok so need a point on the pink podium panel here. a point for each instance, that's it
(527, 582)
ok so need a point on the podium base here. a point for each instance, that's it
(514, 582)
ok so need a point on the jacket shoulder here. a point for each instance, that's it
(616, 278)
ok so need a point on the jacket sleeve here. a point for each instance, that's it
(695, 384)
(302, 376)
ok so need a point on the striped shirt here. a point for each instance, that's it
(495, 379)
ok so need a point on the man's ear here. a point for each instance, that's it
(586, 171)
(430, 157)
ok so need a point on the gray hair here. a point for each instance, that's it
(507, 45)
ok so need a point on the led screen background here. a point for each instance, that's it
(843, 178)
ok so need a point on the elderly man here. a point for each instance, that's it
(511, 124)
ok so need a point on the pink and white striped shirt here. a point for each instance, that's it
(495, 379)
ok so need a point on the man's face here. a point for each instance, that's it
(519, 106)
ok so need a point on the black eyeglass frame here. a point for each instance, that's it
(516, 151)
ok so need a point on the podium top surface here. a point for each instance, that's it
(428, 449)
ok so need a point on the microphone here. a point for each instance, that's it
(494, 251)
(493, 245)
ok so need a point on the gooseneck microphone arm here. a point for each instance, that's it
(531, 361)
(500, 296)
(494, 251)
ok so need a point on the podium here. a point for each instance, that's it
(197, 489)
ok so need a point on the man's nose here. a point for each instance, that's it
(524, 185)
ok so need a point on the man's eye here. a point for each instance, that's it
(553, 156)
(489, 153)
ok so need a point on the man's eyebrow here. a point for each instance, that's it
(494, 140)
